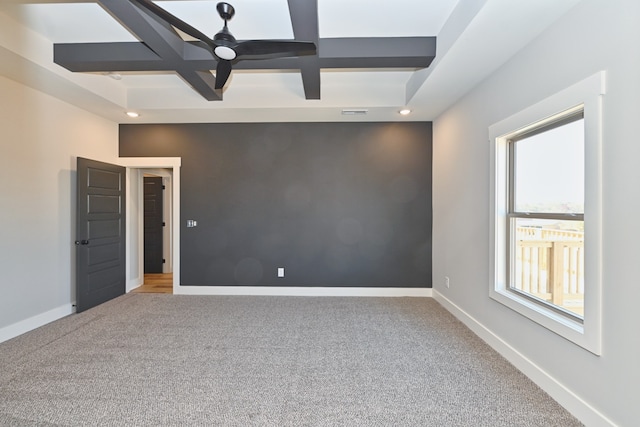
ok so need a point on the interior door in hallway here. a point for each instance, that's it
(153, 223)
(100, 233)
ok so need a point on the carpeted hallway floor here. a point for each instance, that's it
(169, 360)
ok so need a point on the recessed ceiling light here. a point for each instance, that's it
(132, 114)
(115, 76)
(405, 111)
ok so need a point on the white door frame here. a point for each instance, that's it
(134, 216)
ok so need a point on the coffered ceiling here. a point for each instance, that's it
(373, 57)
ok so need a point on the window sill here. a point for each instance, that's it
(571, 329)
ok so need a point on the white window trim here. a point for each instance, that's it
(587, 94)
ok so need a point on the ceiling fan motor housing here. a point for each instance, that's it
(224, 44)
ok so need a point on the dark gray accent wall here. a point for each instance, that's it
(335, 204)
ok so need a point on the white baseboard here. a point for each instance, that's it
(302, 291)
(34, 322)
(586, 413)
(133, 283)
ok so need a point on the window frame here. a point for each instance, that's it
(586, 95)
(556, 121)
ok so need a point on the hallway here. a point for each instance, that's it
(157, 283)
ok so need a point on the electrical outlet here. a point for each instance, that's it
(280, 271)
(446, 281)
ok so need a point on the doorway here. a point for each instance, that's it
(169, 170)
(157, 225)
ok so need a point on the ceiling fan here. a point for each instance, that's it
(226, 49)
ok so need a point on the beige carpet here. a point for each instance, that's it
(168, 360)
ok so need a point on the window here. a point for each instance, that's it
(545, 208)
(546, 213)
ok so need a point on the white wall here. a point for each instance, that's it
(41, 138)
(595, 35)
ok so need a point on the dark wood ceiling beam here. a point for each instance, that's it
(304, 21)
(310, 73)
(383, 52)
(202, 82)
(162, 39)
(414, 52)
(139, 23)
(95, 57)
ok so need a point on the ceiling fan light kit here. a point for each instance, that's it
(225, 53)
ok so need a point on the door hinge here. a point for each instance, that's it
(164, 224)
(164, 261)
(164, 187)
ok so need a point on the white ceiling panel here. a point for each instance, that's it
(71, 22)
(254, 19)
(379, 18)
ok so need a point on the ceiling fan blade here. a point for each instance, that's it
(223, 70)
(258, 49)
(173, 20)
